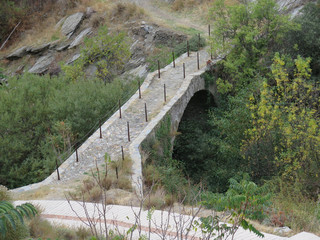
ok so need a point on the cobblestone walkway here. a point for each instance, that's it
(114, 130)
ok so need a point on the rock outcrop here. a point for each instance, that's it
(42, 65)
(38, 49)
(79, 39)
(19, 53)
(71, 24)
(166, 37)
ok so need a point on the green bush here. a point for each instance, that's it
(35, 111)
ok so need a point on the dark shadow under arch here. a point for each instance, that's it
(191, 133)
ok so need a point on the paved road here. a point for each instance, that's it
(122, 218)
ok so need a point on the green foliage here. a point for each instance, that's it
(245, 32)
(243, 200)
(10, 216)
(39, 112)
(108, 51)
(2, 74)
(287, 114)
(167, 170)
(306, 40)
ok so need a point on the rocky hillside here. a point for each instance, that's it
(47, 57)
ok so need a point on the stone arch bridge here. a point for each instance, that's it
(178, 89)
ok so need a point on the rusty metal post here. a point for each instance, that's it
(188, 48)
(122, 153)
(211, 52)
(198, 60)
(158, 69)
(174, 63)
(184, 71)
(199, 42)
(145, 111)
(100, 128)
(57, 169)
(209, 31)
(128, 127)
(164, 92)
(139, 89)
(120, 108)
(77, 157)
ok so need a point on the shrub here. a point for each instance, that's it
(12, 225)
(26, 108)
(4, 194)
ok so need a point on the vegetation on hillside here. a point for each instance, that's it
(266, 119)
(43, 119)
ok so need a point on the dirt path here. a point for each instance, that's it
(167, 17)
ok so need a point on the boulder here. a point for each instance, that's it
(19, 53)
(42, 65)
(38, 49)
(89, 12)
(282, 230)
(168, 38)
(63, 47)
(80, 37)
(75, 57)
(71, 24)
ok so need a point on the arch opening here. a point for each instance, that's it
(193, 130)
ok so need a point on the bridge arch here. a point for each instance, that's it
(197, 87)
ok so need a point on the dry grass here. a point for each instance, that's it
(157, 200)
(4, 194)
(126, 11)
(189, 5)
(94, 185)
(39, 193)
(40, 33)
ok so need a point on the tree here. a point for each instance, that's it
(243, 200)
(246, 33)
(305, 41)
(287, 113)
(108, 51)
(10, 215)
